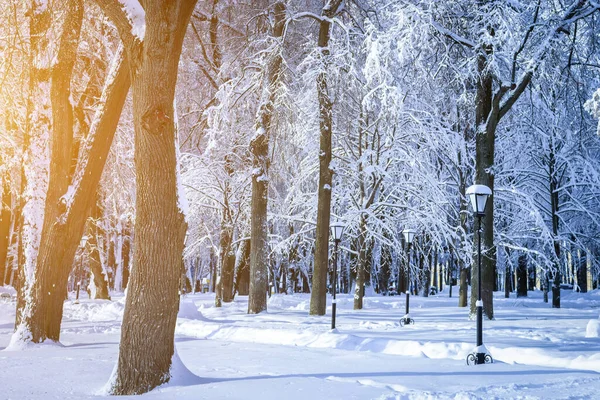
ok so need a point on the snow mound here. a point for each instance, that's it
(188, 309)
(95, 310)
(593, 328)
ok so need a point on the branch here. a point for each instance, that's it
(573, 14)
(115, 10)
(451, 35)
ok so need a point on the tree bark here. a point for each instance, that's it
(259, 146)
(98, 276)
(242, 273)
(507, 275)
(34, 179)
(226, 247)
(554, 204)
(5, 221)
(484, 161)
(359, 289)
(153, 290)
(67, 215)
(522, 276)
(318, 296)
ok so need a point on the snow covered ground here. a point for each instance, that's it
(539, 352)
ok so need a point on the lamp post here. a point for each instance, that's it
(337, 230)
(478, 194)
(409, 235)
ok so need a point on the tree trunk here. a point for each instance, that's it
(242, 273)
(484, 162)
(359, 289)
(522, 276)
(66, 218)
(555, 221)
(463, 288)
(582, 272)
(34, 177)
(259, 146)
(126, 254)
(318, 296)
(153, 290)
(99, 280)
(507, 275)
(5, 221)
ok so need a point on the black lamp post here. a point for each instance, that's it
(478, 194)
(409, 235)
(337, 230)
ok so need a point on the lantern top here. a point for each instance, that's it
(479, 190)
(478, 195)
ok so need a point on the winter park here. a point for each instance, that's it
(308, 199)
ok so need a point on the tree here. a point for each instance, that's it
(69, 202)
(153, 38)
(321, 258)
(259, 146)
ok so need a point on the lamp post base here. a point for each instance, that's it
(406, 320)
(480, 355)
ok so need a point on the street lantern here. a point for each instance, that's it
(409, 235)
(337, 230)
(478, 194)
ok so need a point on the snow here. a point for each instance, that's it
(137, 17)
(593, 328)
(224, 353)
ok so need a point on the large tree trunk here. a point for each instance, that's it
(484, 162)
(318, 296)
(65, 222)
(51, 277)
(153, 290)
(34, 177)
(259, 249)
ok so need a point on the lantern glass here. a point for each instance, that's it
(478, 194)
(409, 235)
(337, 230)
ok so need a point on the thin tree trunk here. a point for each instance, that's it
(259, 146)
(227, 251)
(554, 203)
(507, 275)
(5, 221)
(359, 289)
(318, 295)
(99, 280)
